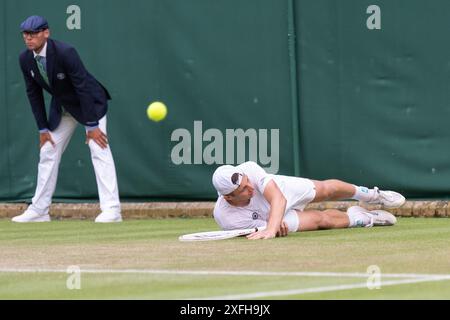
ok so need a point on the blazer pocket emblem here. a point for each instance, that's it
(61, 76)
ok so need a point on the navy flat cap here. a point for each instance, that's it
(34, 24)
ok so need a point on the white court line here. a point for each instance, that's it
(319, 289)
(408, 278)
(227, 273)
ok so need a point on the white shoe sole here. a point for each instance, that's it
(361, 210)
(397, 199)
(45, 218)
(397, 203)
(108, 220)
(383, 218)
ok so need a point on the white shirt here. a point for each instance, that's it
(43, 52)
(297, 191)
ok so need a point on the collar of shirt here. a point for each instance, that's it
(43, 52)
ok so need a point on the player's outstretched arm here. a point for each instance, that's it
(277, 207)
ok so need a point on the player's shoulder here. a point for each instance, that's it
(220, 212)
(253, 170)
(227, 216)
(223, 209)
(219, 206)
(250, 165)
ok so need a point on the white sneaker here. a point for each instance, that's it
(108, 217)
(30, 216)
(370, 218)
(389, 199)
(361, 216)
(383, 218)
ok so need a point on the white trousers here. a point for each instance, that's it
(50, 158)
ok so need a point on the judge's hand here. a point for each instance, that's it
(98, 136)
(45, 137)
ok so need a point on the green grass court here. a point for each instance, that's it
(143, 259)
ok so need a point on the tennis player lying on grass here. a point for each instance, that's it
(250, 198)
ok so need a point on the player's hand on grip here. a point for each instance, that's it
(263, 234)
(98, 136)
(283, 231)
(44, 138)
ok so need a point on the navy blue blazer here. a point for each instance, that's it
(71, 86)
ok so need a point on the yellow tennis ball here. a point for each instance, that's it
(157, 111)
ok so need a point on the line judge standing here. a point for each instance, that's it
(77, 97)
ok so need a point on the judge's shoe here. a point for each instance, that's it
(105, 217)
(30, 216)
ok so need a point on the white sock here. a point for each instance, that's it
(358, 219)
(364, 194)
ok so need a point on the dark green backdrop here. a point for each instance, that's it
(366, 106)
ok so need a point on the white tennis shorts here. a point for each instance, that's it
(292, 220)
(299, 192)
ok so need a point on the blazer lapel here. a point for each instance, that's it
(36, 74)
(50, 60)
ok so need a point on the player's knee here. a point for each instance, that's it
(333, 187)
(329, 188)
(326, 222)
(318, 220)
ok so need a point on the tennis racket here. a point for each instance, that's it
(218, 235)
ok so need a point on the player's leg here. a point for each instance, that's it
(49, 160)
(339, 190)
(105, 174)
(317, 220)
(335, 219)
(333, 190)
